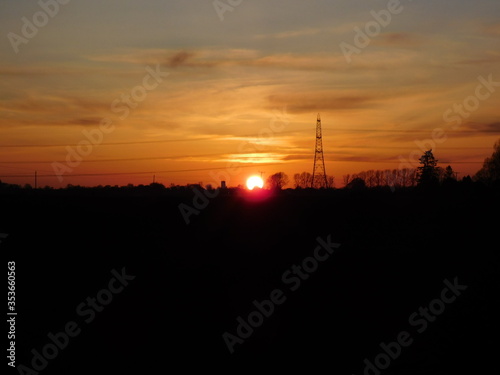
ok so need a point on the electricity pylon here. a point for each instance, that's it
(319, 173)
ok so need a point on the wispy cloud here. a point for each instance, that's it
(481, 128)
(290, 34)
(308, 102)
(492, 29)
(399, 40)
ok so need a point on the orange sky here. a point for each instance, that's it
(185, 93)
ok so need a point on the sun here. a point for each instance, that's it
(254, 181)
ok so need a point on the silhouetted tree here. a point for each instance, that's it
(389, 178)
(491, 167)
(408, 177)
(405, 177)
(467, 180)
(330, 181)
(296, 180)
(277, 181)
(347, 179)
(302, 180)
(449, 178)
(448, 173)
(378, 178)
(428, 173)
(157, 186)
(356, 184)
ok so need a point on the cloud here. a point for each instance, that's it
(86, 121)
(360, 158)
(308, 102)
(250, 58)
(187, 59)
(289, 34)
(493, 127)
(45, 104)
(492, 29)
(34, 108)
(41, 71)
(293, 157)
(398, 40)
(179, 58)
(338, 157)
(489, 57)
(224, 57)
(245, 57)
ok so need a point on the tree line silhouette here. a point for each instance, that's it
(428, 174)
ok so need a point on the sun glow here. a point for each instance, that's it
(254, 181)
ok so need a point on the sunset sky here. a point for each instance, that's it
(187, 90)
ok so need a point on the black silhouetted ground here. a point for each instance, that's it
(193, 281)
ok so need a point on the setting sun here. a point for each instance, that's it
(255, 181)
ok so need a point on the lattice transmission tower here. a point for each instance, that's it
(319, 173)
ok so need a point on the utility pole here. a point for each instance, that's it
(36, 177)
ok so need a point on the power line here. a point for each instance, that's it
(398, 161)
(175, 157)
(406, 148)
(137, 173)
(24, 169)
(219, 168)
(367, 130)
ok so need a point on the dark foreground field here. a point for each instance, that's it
(193, 282)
